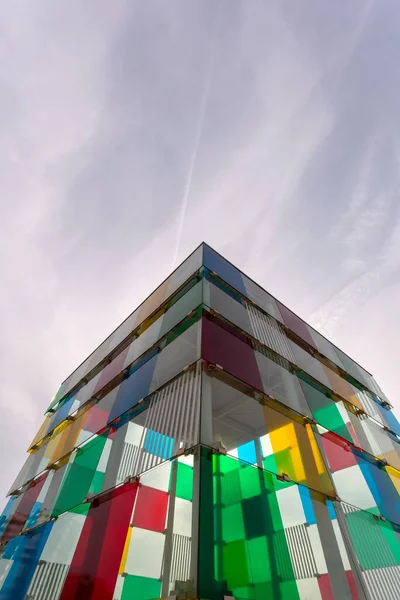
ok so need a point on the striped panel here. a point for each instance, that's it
(371, 544)
(369, 406)
(269, 332)
(372, 550)
(47, 581)
(172, 420)
(383, 584)
(376, 388)
(129, 456)
(301, 552)
(180, 563)
(282, 556)
(379, 439)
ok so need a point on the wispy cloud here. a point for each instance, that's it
(135, 131)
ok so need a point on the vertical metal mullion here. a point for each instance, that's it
(168, 547)
(173, 412)
(155, 425)
(181, 409)
(196, 424)
(188, 407)
(168, 421)
(159, 451)
(141, 457)
(193, 408)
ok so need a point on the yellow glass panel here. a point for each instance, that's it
(283, 437)
(298, 466)
(146, 324)
(394, 475)
(42, 430)
(315, 450)
(51, 446)
(392, 457)
(296, 451)
(125, 552)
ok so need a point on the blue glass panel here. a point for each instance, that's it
(331, 509)
(158, 444)
(25, 552)
(307, 505)
(391, 420)
(6, 513)
(11, 547)
(247, 452)
(31, 520)
(61, 414)
(224, 269)
(382, 489)
(135, 387)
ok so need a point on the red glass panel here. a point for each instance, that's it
(298, 326)
(94, 568)
(96, 419)
(23, 509)
(223, 346)
(111, 370)
(325, 587)
(338, 453)
(151, 509)
(352, 585)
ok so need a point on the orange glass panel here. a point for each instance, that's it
(68, 438)
(152, 303)
(342, 387)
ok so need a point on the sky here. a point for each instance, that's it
(132, 131)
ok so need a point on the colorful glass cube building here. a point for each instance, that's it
(214, 446)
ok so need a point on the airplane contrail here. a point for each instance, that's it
(198, 132)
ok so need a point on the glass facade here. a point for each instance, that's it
(215, 446)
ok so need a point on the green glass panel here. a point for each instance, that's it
(330, 418)
(324, 409)
(225, 464)
(230, 492)
(232, 523)
(235, 567)
(79, 477)
(258, 559)
(80, 509)
(285, 464)
(97, 483)
(265, 591)
(393, 541)
(253, 517)
(269, 463)
(251, 556)
(288, 590)
(184, 482)
(140, 588)
(249, 481)
(243, 593)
